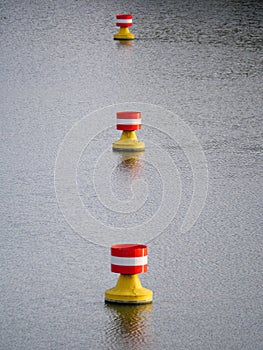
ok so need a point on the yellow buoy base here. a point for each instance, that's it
(129, 291)
(124, 34)
(128, 142)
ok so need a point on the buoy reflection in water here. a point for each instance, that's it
(129, 326)
(131, 161)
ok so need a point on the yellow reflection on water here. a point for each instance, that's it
(125, 42)
(129, 325)
(132, 162)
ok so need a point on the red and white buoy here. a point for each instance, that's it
(129, 260)
(129, 121)
(124, 21)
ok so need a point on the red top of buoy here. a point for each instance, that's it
(129, 115)
(124, 20)
(129, 259)
(129, 121)
(126, 16)
(129, 250)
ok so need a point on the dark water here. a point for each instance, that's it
(201, 60)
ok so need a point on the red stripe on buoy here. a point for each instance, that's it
(129, 127)
(124, 16)
(129, 270)
(129, 115)
(129, 250)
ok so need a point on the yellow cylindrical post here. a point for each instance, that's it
(129, 290)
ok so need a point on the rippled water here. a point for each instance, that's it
(201, 60)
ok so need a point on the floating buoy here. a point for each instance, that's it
(124, 22)
(129, 260)
(128, 122)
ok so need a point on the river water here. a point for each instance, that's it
(195, 72)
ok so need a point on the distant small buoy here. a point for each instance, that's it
(129, 260)
(124, 22)
(128, 122)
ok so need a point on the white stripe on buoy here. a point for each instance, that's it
(128, 121)
(124, 20)
(138, 261)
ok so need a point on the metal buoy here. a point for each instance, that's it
(124, 22)
(128, 122)
(129, 260)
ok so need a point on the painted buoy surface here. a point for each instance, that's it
(128, 259)
(124, 20)
(129, 121)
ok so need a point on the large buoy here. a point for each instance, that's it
(128, 122)
(129, 260)
(124, 22)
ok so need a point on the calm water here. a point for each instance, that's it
(198, 59)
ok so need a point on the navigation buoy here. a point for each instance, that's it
(128, 122)
(129, 260)
(124, 22)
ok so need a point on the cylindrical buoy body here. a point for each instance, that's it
(129, 259)
(129, 121)
(124, 21)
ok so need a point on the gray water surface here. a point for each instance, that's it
(201, 60)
